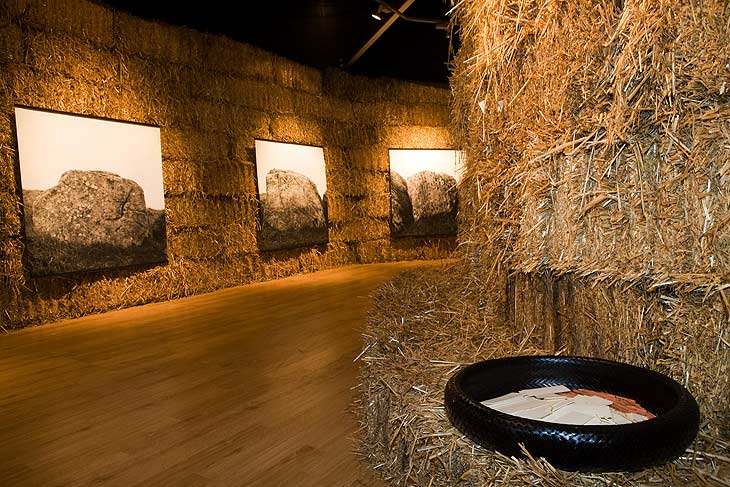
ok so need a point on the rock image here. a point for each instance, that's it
(401, 210)
(91, 220)
(433, 199)
(325, 208)
(292, 212)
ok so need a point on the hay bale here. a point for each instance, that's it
(338, 207)
(7, 150)
(338, 254)
(7, 169)
(297, 130)
(129, 105)
(428, 114)
(371, 206)
(261, 95)
(211, 242)
(618, 191)
(369, 158)
(633, 170)
(194, 145)
(357, 183)
(339, 84)
(296, 76)
(223, 87)
(12, 280)
(158, 41)
(336, 109)
(336, 159)
(385, 112)
(678, 334)
(372, 251)
(417, 137)
(251, 125)
(352, 135)
(213, 116)
(7, 126)
(402, 113)
(57, 92)
(232, 57)
(156, 83)
(277, 99)
(185, 211)
(215, 178)
(11, 44)
(357, 230)
(6, 90)
(420, 93)
(241, 178)
(283, 263)
(420, 248)
(87, 293)
(9, 215)
(252, 93)
(307, 105)
(78, 18)
(67, 56)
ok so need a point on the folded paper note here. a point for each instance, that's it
(558, 404)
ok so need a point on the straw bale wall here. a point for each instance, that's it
(598, 140)
(211, 97)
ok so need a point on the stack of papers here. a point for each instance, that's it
(558, 404)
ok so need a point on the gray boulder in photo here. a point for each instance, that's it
(292, 212)
(91, 220)
(401, 210)
(325, 207)
(435, 200)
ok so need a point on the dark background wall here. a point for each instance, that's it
(211, 97)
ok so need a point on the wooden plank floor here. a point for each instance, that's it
(244, 386)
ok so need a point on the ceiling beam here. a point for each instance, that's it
(379, 33)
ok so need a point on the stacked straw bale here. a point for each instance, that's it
(212, 98)
(603, 145)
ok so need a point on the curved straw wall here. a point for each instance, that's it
(211, 97)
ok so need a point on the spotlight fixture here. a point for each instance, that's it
(378, 14)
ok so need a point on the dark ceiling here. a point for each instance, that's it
(320, 33)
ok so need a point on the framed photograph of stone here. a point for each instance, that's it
(92, 192)
(292, 188)
(424, 198)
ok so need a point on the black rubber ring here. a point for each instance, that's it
(611, 448)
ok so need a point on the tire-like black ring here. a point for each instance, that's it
(569, 447)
